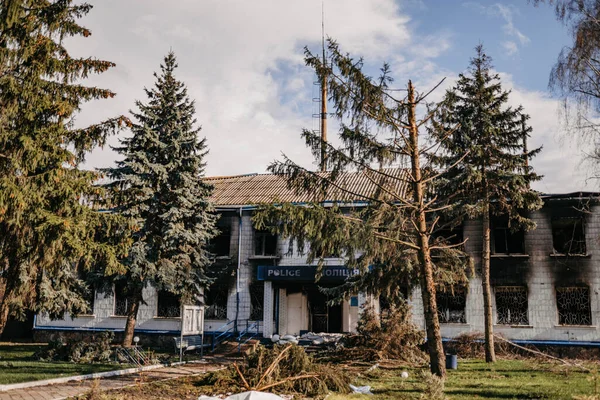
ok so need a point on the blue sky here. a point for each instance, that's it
(243, 64)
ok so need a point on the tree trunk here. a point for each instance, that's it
(4, 307)
(4, 311)
(133, 306)
(432, 324)
(490, 355)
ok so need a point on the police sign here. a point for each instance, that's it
(307, 273)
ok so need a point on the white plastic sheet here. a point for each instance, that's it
(253, 395)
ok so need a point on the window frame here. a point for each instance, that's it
(501, 223)
(589, 305)
(448, 294)
(579, 220)
(264, 236)
(158, 305)
(508, 288)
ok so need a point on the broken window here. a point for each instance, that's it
(219, 245)
(257, 299)
(169, 305)
(573, 304)
(568, 235)
(215, 298)
(121, 300)
(511, 305)
(504, 240)
(451, 304)
(265, 243)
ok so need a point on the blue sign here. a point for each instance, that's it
(306, 273)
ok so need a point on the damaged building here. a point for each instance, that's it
(545, 282)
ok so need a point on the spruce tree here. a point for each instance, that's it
(49, 231)
(159, 186)
(390, 239)
(489, 172)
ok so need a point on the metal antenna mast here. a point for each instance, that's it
(323, 95)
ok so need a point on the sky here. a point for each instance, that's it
(242, 62)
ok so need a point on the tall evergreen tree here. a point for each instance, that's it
(159, 186)
(489, 172)
(391, 240)
(49, 233)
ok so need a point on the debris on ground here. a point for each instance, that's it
(361, 389)
(391, 336)
(282, 369)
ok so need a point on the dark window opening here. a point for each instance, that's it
(451, 304)
(265, 243)
(220, 244)
(505, 240)
(215, 298)
(511, 305)
(568, 235)
(573, 304)
(121, 300)
(169, 305)
(257, 300)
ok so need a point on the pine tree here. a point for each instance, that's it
(159, 186)
(489, 172)
(391, 240)
(49, 232)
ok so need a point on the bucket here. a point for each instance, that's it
(451, 361)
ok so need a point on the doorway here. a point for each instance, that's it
(323, 318)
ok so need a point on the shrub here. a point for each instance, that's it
(78, 351)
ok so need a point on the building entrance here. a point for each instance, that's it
(323, 318)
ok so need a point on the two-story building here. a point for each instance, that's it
(545, 282)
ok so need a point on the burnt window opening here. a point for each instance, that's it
(265, 243)
(215, 299)
(220, 244)
(504, 239)
(121, 300)
(573, 304)
(511, 305)
(169, 305)
(451, 305)
(257, 299)
(568, 235)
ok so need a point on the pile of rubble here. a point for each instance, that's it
(309, 339)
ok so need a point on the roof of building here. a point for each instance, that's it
(352, 187)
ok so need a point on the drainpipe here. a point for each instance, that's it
(237, 275)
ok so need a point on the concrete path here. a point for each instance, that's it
(72, 389)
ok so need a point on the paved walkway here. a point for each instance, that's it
(72, 389)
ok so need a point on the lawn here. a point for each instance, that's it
(512, 379)
(507, 379)
(17, 365)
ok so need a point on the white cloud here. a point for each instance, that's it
(510, 47)
(242, 63)
(507, 14)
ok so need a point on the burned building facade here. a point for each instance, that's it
(545, 282)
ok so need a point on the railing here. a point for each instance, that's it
(223, 334)
(134, 355)
(248, 333)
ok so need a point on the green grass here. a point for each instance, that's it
(507, 379)
(17, 365)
